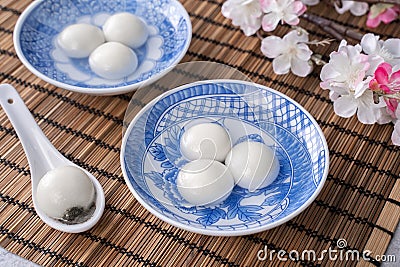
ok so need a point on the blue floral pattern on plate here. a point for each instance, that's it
(151, 155)
(169, 28)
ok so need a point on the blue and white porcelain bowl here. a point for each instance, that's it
(39, 25)
(151, 156)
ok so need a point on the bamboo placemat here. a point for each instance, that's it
(360, 201)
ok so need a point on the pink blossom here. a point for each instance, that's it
(385, 79)
(287, 11)
(388, 82)
(385, 13)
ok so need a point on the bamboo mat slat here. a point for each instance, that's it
(360, 201)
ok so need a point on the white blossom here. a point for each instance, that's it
(396, 133)
(382, 116)
(356, 8)
(244, 13)
(396, 130)
(379, 51)
(287, 11)
(290, 53)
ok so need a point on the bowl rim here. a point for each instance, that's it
(206, 231)
(88, 90)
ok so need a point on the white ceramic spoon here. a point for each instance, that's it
(43, 157)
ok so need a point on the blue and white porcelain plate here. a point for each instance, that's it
(39, 25)
(151, 156)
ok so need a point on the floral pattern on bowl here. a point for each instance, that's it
(151, 156)
(40, 24)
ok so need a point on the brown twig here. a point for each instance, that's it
(337, 31)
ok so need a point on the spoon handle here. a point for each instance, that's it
(42, 155)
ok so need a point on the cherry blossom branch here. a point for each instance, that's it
(394, 2)
(351, 67)
(338, 3)
(337, 31)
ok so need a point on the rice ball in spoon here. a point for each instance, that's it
(63, 189)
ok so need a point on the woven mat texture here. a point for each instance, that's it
(359, 202)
